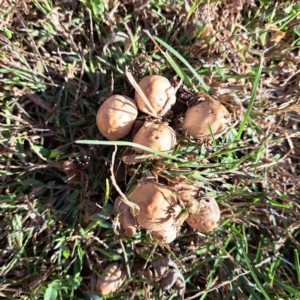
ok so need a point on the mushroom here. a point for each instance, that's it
(71, 170)
(156, 208)
(207, 217)
(167, 235)
(127, 222)
(112, 278)
(207, 112)
(159, 137)
(159, 92)
(116, 116)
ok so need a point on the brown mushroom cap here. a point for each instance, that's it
(128, 224)
(207, 112)
(207, 217)
(116, 116)
(159, 92)
(155, 205)
(159, 137)
(71, 170)
(167, 235)
(112, 278)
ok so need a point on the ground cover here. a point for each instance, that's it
(61, 60)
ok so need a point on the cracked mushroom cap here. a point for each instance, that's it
(155, 205)
(207, 217)
(207, 112)
(127, 222)
(159, 92)
(159, 137)
(116, 116)
(112, 278)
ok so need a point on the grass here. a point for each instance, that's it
(60, 60)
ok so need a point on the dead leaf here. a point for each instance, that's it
(165, 272)
(168, 281)
(277, 36)
(90, 209)
(38, 100)
(207, 32)
(271, 27)
(127, 45)
(294, 107)
(117, 37)
(138, 158)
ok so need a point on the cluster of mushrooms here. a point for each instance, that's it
(162, 271)
(161, 209)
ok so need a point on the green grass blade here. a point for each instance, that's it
(212, 136)
(253, 95)
(254, 276)
(128, 144)
(247, 284)
(185, 62)
(279, 283)
(178, 70)
(296, 255)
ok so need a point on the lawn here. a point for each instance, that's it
(59, 177)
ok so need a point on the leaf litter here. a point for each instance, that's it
(50, 58)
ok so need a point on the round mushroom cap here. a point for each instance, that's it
(116, 116)
(207, 217)
(128, 224)
(112, 278)
(155, 205)
(207, 112)
(159, 92)
(159, 137)
(71, 170)
(167, 235)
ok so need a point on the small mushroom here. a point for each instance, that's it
(71, 170)
(156, 206)
(207, 217)
(159, 137)
(127, 222)
(207, 112)
(159, 92)
(116, 116)
(112, 278)
(166, 235)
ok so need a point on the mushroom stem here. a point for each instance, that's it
(139, 90)
(135, 209)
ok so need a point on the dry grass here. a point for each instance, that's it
(60, 60)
